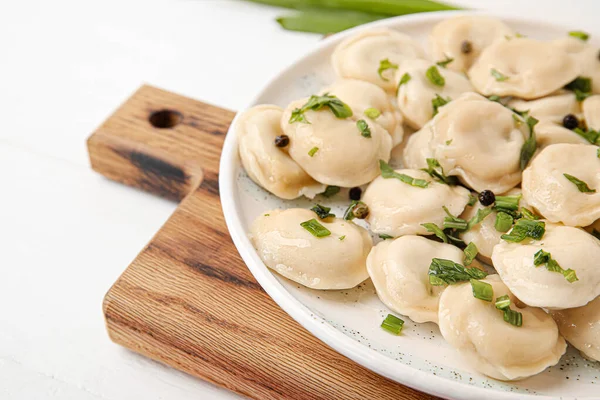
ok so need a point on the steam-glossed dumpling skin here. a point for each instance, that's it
(397, 208)
(572, 248)
(554, 196)
(317, 263)
(361, 95)
(586, 57)
(474, 139)
(399, 270)
(448, 36)
(581, 327)
(492, 346)
(344, 157)
(414, 96)
(533, 68)
(591, 112)
(358, 56)
(266, 164)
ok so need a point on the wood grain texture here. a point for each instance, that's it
(188, 300)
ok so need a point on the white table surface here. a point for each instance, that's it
(66, 233)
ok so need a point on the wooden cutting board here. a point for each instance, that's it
(188, 300)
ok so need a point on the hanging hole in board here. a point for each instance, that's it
(165, 119)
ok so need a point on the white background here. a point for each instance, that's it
(66, 233)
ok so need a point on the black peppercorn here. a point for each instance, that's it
(282, 141)
(360, 210)
(487, 198)
(355, 193)
(466, 47)
(570, 121)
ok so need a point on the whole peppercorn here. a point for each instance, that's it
(355, 193)
(570, 121)
(282, 141)
(360, 210)
(487, 198)
(466, 47)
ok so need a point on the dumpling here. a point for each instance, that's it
(333, 150)
(359, 56)
(336, 261)
(591, 112)
(522, 67)
(586, 57)
(547, 133)
(572, 248)
(473, 138)
(397, 208)
(463, 38)
(492, 346)
(266, 164)
(581, 327)
(552, 108)
(361, 95)
(558, 198)
(399, 270)
(415, 96)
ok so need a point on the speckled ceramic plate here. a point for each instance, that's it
(349, 320)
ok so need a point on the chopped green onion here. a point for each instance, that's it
(322, 211)
(434, 76)
(312, 151)
(503, 222)
(405, 78)
(267, 215)
(315, 228)
(432, 169)
(388, 172)
(437, 102)
(598, 152)
(542, 257)
(500, 77)
(449, 142)
(581, 86)
(581, 185)
(470, 253)
(385, 236)
(363, 127)
(447, 271)
(495, 98)
(530, 145)
(315, 103)
(472, 200)
(392, 324)
(436, 230)
(445, 62)
(528, 214)
(503, 302)
(514, 318)
(331, 191)
(518, 121)
(508, 202)
(384, 65)
(580, 35)
(590, 135)
(482, 290)
(452, 222)
(525, 228)
(596, 233)
(452, 238)
(298, 116)
(372, 113)
(342, 237)
(479, 216)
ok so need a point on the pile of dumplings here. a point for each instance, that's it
(504, 160)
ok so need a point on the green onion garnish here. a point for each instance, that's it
(356, 209)
(445, 62)
(437, 102)
(435, 170)
(525, 228)
(590, 135)
(385, 236)
(392, 324)
(472, 200)
(331, 191)
(315, 103)
(530, 145)
(372, 113)
(598, 152)
(405, 78)
(342, 237)
(503, 302)
(312, 151)
(298, 116)
(508, 202)
(434, 76)
(315, 228)
(581, 86)
(447, 271)
(528, 214)
(436, 230)
(480, 216)
(388, 172)
(452, 222)
(482, 290)
(503, 222)
(384, 65)
(500, 77)
(542, 257)
(512, 317)
(322, 211)
(580, 35)
(581, 185)
(470, 253)
(363, 127)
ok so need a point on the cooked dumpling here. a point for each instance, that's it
(415, 96)
(547, 133)
(492, 346)
(522, 67)
(557, 198)
(359, 56)
(572, 248)
(591, 112)
(581, 327)
(266, 164)
(337, 261)
(475, 139)
(361, 96)
(397, 208)
(552, 108)
(463, 38)
(333, 150)
(586, 58)
(399, 270)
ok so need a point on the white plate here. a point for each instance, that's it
(348, 321)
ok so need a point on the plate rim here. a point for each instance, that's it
(344, 345)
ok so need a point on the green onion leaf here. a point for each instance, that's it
(315, 228)
(470, 253)
(449, 272)
(542, 257)
(385, 236)
(456, 240)
(405, 78)
(480, 216)
(434, 76)
(432, 169)
(581, 185)
(472, 200)
(388, 172)
(392, 324)
(445, 62)
(433, 228)
(312, 151)
(331, 191)
(530, 145)
(503, 302)
(500, 77)
(525, 228)
(590, 135)
(363, 127)
(322, 211)
(321, 20)
(513, 317)
(452, 222)
(580, 35)
(581, 86)
(315, 103)
(482, 290)
(598, 152)
(503, 222)
(384, 65)
(508, 202)
(372, 113)
(495, 98)
(342, 237)
(528, 214)
(437, 102)
(298, 116)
